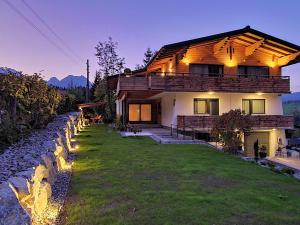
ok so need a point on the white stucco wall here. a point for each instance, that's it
(118, 107)
(167, 109)
(184, 104)
(273, 139)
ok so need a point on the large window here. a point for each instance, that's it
(206, 106)
(139, 112)
(205, 69)
(253, 106)
(253, 71)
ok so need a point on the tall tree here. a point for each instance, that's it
(148, 56)
(95, 84)
(109, 64)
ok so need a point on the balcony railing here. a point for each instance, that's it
(202, 82)
(258, 121)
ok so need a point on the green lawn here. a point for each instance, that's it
(137, 181)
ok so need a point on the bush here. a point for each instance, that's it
(229, 128)
(26, 103)
(119, 125)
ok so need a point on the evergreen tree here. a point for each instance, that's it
(148, 56)
(95, 84)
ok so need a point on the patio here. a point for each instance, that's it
(164, 136)
(291, 162)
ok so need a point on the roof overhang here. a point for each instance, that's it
(285, 52)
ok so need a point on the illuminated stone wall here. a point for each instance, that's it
(26, 197)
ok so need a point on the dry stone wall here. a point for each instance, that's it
(35, 172)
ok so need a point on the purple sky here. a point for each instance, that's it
(136, 25)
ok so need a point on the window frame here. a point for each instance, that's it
(140, 113)
(246, 67)
(209, 74)
(207, 106)
(251, 105)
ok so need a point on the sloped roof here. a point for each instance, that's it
(246, 35)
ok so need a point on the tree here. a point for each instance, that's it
(229, 128)
(148, 56)
(95, 84)
(138, 67)
(109, 64)
(26, 102)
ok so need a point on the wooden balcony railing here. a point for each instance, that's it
(202, 83)
(258, 121)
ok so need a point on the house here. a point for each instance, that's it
(189, 84)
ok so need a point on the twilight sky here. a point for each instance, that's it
(135, 25)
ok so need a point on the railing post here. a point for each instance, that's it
(149, 82)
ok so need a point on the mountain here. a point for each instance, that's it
(291, 97)
(68, 81)
(53, 81)
(6, 71)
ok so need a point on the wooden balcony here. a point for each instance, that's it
(203, 83)
(259, 121)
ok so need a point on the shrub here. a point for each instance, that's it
(229, 128)
(26, 103)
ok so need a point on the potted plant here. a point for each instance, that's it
(263, 152)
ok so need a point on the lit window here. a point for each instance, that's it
(206, 106)
(139, 112)
(253, 106)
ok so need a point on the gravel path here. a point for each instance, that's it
(26, 153)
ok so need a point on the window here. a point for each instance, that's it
(139, 112)
(253, 70)
(206, 106)
(204, 69)
(253, 106)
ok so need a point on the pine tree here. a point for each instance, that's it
(148, 56)
(95, 85)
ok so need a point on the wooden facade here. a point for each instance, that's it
(231, 50)
(203, 83)
(170, 70)
(259, 121)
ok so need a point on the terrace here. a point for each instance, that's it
(259, 121)
(189, 82)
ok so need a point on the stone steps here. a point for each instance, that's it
(168, 139)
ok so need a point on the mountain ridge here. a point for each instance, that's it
(68, 81)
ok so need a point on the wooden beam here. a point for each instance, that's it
(220, 45)
(252, 48)
(286, 59)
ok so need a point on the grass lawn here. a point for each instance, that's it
(137, 181)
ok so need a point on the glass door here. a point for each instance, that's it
(140, 113)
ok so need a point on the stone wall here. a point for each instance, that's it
(35, 171)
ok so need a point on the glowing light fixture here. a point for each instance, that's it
(186, 61)
(211, 92)
(259, 93)
(230, 63)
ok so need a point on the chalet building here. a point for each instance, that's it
(189, 84)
